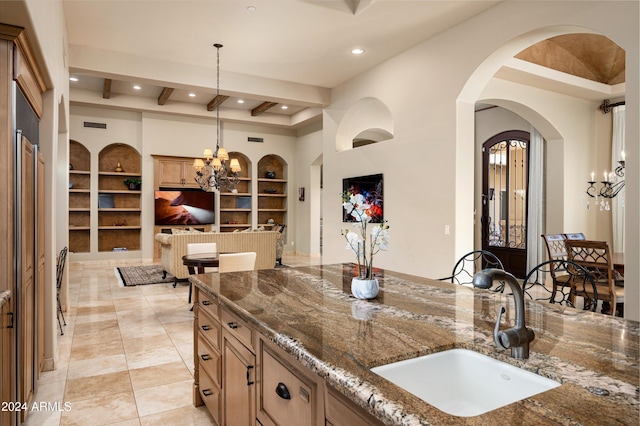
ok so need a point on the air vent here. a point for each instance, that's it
(259, 140)
(95, 125)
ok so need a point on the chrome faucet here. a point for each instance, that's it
(518, 337)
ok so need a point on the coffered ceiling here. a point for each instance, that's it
(280, 57)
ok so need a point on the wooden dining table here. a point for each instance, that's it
(200, 261)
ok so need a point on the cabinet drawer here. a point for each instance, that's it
(208, 359)
(342, 412)
(238, 328)
(210, 395)
(209, 328)
(209, 305)
(286, 398)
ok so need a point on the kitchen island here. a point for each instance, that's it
(310, 314)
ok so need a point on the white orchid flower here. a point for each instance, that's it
(357, 207)
(380, 237)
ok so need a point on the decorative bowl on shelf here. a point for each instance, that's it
(270, 174)
(270, 191)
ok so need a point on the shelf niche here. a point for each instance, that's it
(79, 198)
(272, 190)
(235, 208)
(118, 207)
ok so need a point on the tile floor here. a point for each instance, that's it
(126, 357)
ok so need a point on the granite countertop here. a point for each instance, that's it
(310, 313)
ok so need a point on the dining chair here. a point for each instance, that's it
(595, 257)
(576, 236)
(472, 262)
(197, 248)
(557, 250)
(235, 262)
(62, 257)
(578, 282)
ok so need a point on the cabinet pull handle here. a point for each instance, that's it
(206, 327)
(207, 392)
(282, 391)
(206, 302)
(205, 357)
(249, 368)
(10, 320)
(232, 325)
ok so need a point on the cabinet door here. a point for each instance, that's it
(170, 173)
(238, 382)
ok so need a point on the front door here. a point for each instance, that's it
(505, 169)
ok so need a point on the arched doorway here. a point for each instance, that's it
(505, 178)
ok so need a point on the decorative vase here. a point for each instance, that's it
(134, 186)
(364, 289)
(270, 174)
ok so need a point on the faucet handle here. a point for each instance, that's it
(499, 337)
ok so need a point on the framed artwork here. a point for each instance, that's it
(371, 189)
(301, 193)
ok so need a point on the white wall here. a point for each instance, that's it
(164, 134)
(428, 166)
(308, 154)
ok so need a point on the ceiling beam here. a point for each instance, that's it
(106, 89)
(218, 100)
(262, 108)
(164, 95)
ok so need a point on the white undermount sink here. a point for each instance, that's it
(463, 382)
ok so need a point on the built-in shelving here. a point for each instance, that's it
(272, 191)
(119, 208)
(79, 198)
(236, 207)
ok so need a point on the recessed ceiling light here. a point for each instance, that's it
(137, 87)
(284, 107)
(192, 95)
(357, 51)
(73, 78)
(240, 101)
(251, 8)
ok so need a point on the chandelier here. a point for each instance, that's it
(216, 171)
(611, 186)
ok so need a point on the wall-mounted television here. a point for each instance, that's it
(184, 207)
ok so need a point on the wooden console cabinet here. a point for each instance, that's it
(245, 379)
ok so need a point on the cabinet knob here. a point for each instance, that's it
(205, 357)
(207, 392)
(206, 302)
(206, 327)
(232, 325)
(282, 391)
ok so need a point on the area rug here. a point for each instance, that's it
(142, 275)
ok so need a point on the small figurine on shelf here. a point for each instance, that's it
(119, 168)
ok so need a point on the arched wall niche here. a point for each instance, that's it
(368, 119)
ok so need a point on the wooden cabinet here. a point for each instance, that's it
(224, 364)
(245, 379)
(236, 207)
(288, 394)
(79, 198)
(272, 190)
(118, 207)
(174, 172)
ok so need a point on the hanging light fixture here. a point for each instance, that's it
(611, 186)
(216, 171)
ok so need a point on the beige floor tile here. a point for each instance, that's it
(43, 418)
(152, 357)
(96, 366)
(142, 378)
(164, 398)
(97, 386)
(146, 343)
(97, 350)
(100, 336)
(185, 416)
(97, 317)
(101, 410)
(95, 327)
